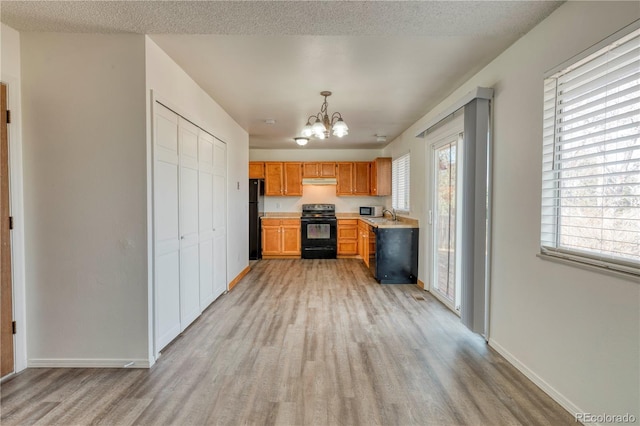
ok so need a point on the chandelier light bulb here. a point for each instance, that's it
(340, 128)
(318, 128)
(307, 131)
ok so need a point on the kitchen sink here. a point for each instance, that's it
(381, 220)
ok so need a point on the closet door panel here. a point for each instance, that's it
(219, 218)
(189, 225)
(189, 285)
(205, 219)
(167, 298)
(166, 227)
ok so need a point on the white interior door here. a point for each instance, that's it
(189, 226)
(205, 219)
(219, 218)
(166, 228)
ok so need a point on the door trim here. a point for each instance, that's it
(433, 140)
(17, 211)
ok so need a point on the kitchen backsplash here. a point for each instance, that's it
(325, 194)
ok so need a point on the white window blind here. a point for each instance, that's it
(400, 172)
(591, 159)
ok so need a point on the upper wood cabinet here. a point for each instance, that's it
(381, 176)
(319, 169)
(256, 170)
(283, 178)
(361, 180)
(344, 176)
(273, 179)
(353, 178)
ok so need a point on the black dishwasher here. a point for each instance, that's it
(396, 255)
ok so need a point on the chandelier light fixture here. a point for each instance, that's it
(321, 127)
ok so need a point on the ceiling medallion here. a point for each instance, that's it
(321, 127)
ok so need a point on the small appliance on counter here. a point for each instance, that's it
(256, 210)
(373, 211)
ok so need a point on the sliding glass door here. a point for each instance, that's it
(445, 280)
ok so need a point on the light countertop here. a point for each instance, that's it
(378, 222)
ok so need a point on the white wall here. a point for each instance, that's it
(171, 84)
(318, 193)
(10, 75)
(85, 198)
(576, 333)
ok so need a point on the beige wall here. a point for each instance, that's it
(171, 84)
(576, 333)
(85, 198)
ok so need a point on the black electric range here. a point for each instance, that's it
(319, 231)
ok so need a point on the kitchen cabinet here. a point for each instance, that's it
(353, 178)
(381, 176)
(318, 169)
(364, 231)
(347, 237)
(292, 179)
(283, 179)
(280, 238)
(256, 170)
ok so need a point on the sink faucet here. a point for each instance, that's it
(392, 212)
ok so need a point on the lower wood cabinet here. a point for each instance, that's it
(347, 237)
(364, 247)
(280, 238)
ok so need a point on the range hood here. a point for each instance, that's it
(320, 181)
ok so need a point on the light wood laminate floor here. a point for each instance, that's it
(300, 342)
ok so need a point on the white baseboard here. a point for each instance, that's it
(539, 381)
(88, 363)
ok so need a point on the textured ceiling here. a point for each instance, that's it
(387, 62)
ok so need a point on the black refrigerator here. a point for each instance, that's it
(256, 211)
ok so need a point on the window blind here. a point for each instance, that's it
(591, 158)
(400, 171)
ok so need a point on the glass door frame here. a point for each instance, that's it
(457, 138)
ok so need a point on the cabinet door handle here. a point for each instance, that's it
(182, 237)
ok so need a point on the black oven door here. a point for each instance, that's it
(319, 238)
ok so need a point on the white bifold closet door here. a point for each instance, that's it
(190, 237)
(166, 227)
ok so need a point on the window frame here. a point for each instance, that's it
(406, 207)
(554, 250)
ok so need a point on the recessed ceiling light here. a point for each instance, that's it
(381, 138)
(270, 121)
(301, 141)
